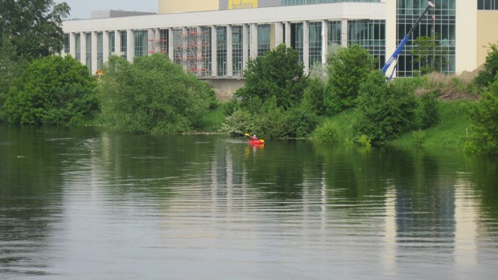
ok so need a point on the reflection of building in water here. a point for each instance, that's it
(437, 226)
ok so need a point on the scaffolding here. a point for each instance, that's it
(158, 41)
(192, 49)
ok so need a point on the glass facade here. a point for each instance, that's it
(77, 42)
(124, 43)
(297, 40)
(237, 50)
(334, 32)
(487, 5)
(88, 37)
(443, 28)
(371, 35)
(221, 53)
(141, 42)
(315, 39)
(67, 43)
(263, 39)
(112, 43)
(100, 50)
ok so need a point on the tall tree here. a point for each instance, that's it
(278, 73)
(348, 69)
(430, 56)
(52, 90)
(34, 27)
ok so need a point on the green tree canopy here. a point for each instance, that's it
(429, 55)
(278, 73)
(33, 26)
(487, 76)
(348, 69)
(52, 91)
(152, 95)
(384, 111)
(484, 116)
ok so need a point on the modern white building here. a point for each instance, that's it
(215, 39)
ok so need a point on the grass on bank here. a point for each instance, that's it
(450, 133)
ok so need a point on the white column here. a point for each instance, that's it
(171, 44)
(72, 44)
(306, 46)
(325, 40)
(344, 33)
(214, 52)
(117, 43)
(229, 51)
(105, 43)
(254, 41)
(159, 44)
(151, 38)
(245, 45)
(130, 45)
(279, 33)
(83, 48)
(288, 34)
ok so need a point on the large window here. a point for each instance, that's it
(112, 43)
(221, 53)
(88, 37)
(124, 44)
(443, 28)
(263, 39)
(237, 50)
(487, 4)
(370, 34)
(334, 32)
(67, 43)
(100, 50)
(141, 43)
(77, 45)
(297, 41)
(315, 32)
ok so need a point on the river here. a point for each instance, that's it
(96, 204)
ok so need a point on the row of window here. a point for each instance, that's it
(487, 4)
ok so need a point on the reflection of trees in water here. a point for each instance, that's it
(30, 187)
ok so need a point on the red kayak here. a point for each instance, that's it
(254, 141)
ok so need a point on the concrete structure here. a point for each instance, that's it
(214, 39)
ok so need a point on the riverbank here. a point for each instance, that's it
(450, 133)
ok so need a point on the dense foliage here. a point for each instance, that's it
(152, 95)
(33, 26)
(348, 68)
(429, 55)
(484, 116)
(487, 76)
(272, 103)
(384, 111)
(52, 91)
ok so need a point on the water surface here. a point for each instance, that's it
(95, 204)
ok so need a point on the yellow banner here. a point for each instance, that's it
(242, 4)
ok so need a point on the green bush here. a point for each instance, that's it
(153, 95)
(383, 112)
(348, 69)
(429, 109)
(484, 116)
(238, 123)
(52, 91)
(487, 76)
(326, 133)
